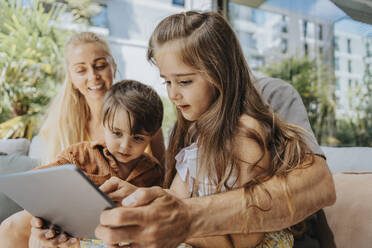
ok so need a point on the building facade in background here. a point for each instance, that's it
(267, 34)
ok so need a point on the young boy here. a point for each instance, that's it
(131, 114)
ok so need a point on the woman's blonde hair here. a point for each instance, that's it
(207, 43)
(68, 115)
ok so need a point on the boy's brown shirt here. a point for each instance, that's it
(99, 165)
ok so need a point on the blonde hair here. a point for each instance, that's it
(208, 44)
(68, 115)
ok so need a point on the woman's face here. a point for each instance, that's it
(90, 70)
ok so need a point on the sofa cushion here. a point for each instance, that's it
(341, 159)
(14, 146)
(11, 164)
(350, 218)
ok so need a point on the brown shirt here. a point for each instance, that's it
(99, 165)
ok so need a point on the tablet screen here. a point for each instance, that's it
(63, 195)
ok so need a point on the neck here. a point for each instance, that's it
(95, 109)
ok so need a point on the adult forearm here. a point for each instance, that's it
(285, 202)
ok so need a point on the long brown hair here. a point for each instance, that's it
(207, 43)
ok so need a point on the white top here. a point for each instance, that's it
(186, 165)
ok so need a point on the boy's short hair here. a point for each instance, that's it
(142, 103)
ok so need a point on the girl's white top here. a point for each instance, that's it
(187, 165)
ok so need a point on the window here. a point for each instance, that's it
(368, 49)
(337, 84)
(335, 43)
(284, 24)
(284, 45)
(306, 48)
(349, 45)
(321, 50)
(350, 83)
(256, 62)
(304, 28)
(337, 64)
(349, 68)
(320, 32)
(178, 2)
(247, 40)
(100, 20)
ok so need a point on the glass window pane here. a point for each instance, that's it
(310, 36)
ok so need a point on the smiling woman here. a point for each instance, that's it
(74, 114)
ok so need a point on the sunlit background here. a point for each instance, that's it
(322, 47)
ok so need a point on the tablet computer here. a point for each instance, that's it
(62, 195)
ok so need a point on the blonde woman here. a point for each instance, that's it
(73, 116)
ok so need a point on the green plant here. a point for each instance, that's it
(82, 10)
(315, 84)
(30, 62)
(170, 117)
(355, 128)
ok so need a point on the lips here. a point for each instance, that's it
(183, 107)
(124, 155)
(96, 87)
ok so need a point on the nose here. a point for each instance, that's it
(125, 145)
(173, 92)
(93, 74)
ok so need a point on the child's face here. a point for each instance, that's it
(187, 88)
(89, 70)
(120, 143)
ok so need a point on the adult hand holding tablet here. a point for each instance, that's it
(62, 195)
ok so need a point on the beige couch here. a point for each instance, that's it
(350, 218)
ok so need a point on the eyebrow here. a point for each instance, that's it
(95, 60)
(181, 74)
(142, 133)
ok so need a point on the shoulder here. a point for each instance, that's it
(270, 86)
(147, 172)
(80, 147)
(149, 160)
(76, 150)
(247, 122)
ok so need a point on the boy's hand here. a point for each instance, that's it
(117, 189)
(43, 236)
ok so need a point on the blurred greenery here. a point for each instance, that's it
(30, 63)
(355, 128)
(316, 84)
(169, 119)
(82, 10)
(31, 66)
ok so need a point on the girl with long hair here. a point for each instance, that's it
(225, 136)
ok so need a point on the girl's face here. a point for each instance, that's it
(123, 145)
(90, 70)
(187, 88)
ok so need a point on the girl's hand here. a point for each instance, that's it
(117, 189)
(42, 237)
